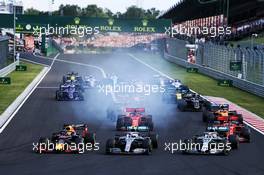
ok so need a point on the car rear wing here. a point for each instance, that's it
(135, 109)
(76, 126)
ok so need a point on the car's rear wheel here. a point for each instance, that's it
(42, 144)
(146, 145)
(182, 105)
(90, 138)
(110, 143)
(210, 117)
(119, 124)
(234, 141)
(154, 140)
(240, 118)
(245, 132)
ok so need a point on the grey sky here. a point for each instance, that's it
(113, 5)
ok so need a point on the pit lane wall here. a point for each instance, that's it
(176, 55)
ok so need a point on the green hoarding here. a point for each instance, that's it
(21, 68)
(225, 83)
(5, 80)
(235, 65)
(29, 24)
(192, 70)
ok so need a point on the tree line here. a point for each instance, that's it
(95, 11)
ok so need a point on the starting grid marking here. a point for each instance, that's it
(249, 117)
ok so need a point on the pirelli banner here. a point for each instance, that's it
(70, 24)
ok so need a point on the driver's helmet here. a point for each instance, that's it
(177, 81)
(69, 130)
(131, 135)
(72, 77)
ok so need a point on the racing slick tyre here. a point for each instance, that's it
(245, 133)
(78, 96)
(234, 141)
(127, 121)
(210, 118)
(64, 79)
(110, 143)
(89, 138)
(149, 117)
(154, 140)
(59, 95)
(151, 126)
(147, 145)
(226, 150)
(182, 105)
(205, 114)
(43, 141)
(61, 86)
(77, 140)
(119, 124)
(186, 142)
(204, 118)
(240, 118)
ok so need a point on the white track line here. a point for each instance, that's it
(156, 70)
(41, 87)
(30, 61)
(18, 108)
(25, 99)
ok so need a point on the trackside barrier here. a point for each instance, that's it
(8, 69)
(239, 83)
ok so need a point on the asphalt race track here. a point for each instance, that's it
(42, 114)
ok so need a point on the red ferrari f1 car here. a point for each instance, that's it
(135, 119)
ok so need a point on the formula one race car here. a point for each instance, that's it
(208, 143)
(67, 141)
(190, 101)
(90, 82)
(134, 118)
(234, 131)
(214, 112)
(132, 143)
(75, 79)
(182, 89)
(169, 95)
(68, 92)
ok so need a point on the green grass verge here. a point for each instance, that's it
(205, 85)
(19, 81)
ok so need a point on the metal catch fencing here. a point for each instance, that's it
(215, 61)
(219, 57)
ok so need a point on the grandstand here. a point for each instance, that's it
(244, 16)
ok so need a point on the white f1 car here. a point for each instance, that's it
(132, 143)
